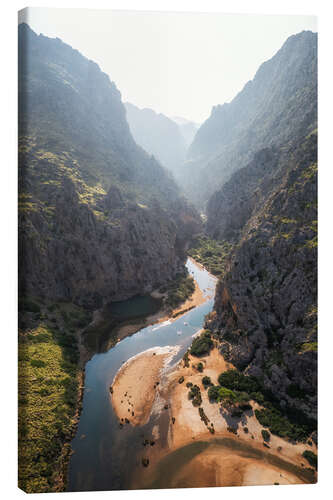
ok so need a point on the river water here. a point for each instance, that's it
(105, 455)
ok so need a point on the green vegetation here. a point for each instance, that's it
(206, 381)
(202, 344)
(229, 398)
(179, 290)
(265, 435)
(48, 391)
(200, 367)
(309, 347)
(195, 395)
(236, 389)
(203, 416)
(48, 396)
(186, 360)
(233, 379)
(279, 424)
(226, 395)
(213, 393)
(311, 458)
(211, 254)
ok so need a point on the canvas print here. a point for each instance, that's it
(167, 250)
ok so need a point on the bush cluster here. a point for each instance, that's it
(287, 423)
(311, 458)
(179, 290)
(206, 381)
(265, 435)
(279, 424)
(202, 344)
(211, 254)
(195, 395)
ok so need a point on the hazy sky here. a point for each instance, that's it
(177, 64)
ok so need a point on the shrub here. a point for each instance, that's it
(206, 381)
(179, 290)
(233, 379)
(226, 394)
(200, 367)
(186, 360)
(203, 416)
(195, 395)
(265, 435)
(258, 396)
(211, 253)
(279, 424)
(202, 345)
(243, 398)
(311, 458)
(213, 393)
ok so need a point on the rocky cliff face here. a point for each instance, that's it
(99, 219)
(269, 111)
(265, 309)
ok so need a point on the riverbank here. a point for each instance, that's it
(134, 389)
(227, 458)
(196, 299)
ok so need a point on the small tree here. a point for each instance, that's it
(311, 458)
(206, 381)
(213, 393)
(266, 435)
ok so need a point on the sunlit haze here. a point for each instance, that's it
(177, 64)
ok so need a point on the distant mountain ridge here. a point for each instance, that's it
(158, 135)
(188, 129)
(166, 138)
(267, 112)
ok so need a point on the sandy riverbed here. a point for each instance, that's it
(135, 387)
(222, 464)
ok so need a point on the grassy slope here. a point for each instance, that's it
(212, 254)
(49, 391)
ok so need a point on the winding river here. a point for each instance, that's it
(105, 455)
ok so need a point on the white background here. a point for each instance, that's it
(8, 246)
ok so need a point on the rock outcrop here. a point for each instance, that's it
(99, 218)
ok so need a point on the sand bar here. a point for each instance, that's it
(136, 384)
(223, 465)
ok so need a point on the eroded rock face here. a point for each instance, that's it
(99, 218)
(266, 305)
(272, 109)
